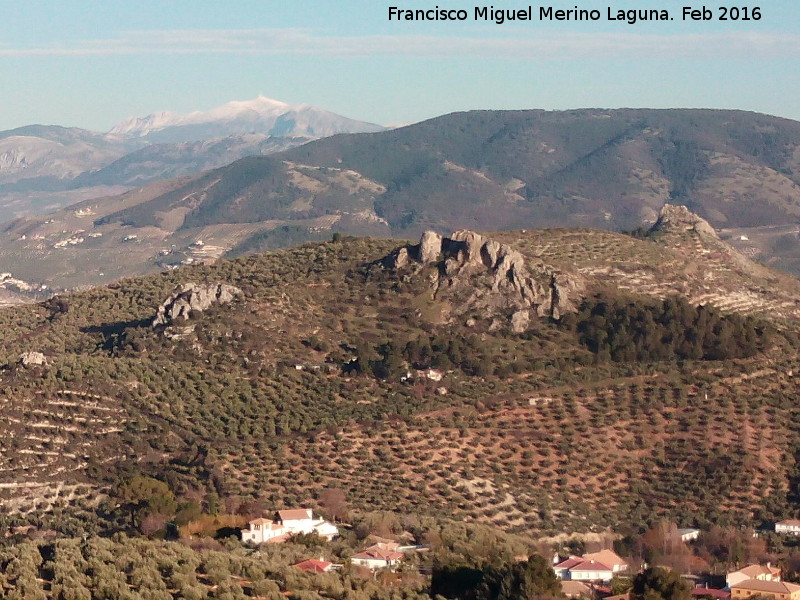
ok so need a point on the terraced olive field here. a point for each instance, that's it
(324, 372)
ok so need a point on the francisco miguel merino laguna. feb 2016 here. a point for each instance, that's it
(549, 13)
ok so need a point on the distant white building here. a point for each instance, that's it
(378, 556)
(286, 524)
(688, 534)
(301, 520)
(790, 526)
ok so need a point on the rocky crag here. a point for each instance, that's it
(478, 276)
(677, 218)
(193, 297)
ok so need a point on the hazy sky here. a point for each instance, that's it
(92, 64)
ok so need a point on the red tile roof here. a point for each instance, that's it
(768, 587)
(569, 563)
(313, 565)
(279, 539)
(591, 565)
(376, 552)
(607, 557)
(295, 514)
(753, 571)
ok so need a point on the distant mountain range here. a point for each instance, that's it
(483, 170)
(46, 167)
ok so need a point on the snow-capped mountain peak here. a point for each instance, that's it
(260, 115)
(140, 126)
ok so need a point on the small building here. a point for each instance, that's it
(378, 556)
(313, 565)
(790, 526)
(595, 566)
(688, 534)
(761, 572)
(756, 587)
(591, 570)
(610, 558)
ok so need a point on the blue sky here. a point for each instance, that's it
(92, 64)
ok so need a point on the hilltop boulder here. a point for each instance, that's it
(195, 297)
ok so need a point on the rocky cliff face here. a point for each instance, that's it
(475, 274)
(190, 297)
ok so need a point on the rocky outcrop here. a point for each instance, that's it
(675, 218)
(479, 275)
(32, 359)
(193, 297)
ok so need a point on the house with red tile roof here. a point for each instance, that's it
(610, 558)
(596, 566)
(591, 570)
(780, 590)
(378, 556)
(762, 572)
(313, 565)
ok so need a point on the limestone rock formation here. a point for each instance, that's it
(190, 297)
(480, 275)
(32, 359)
(679, 218)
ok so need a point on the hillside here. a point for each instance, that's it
(414, 386)
(483, 170)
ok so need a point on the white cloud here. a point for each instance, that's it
(544, 45)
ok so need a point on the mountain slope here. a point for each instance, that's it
(504, 169)
(331, 367)
(46, 163)
(488, 170)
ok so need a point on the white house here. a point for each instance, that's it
(378, 556)
(591, 570)
(791, 526)
(301, 520)
(288, 523)
(596, 566)
(610, 558)
(261, 531)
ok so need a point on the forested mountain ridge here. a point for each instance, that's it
(329, 367)
(481, 170)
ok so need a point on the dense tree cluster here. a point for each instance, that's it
(623, 330)
(658, 583)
